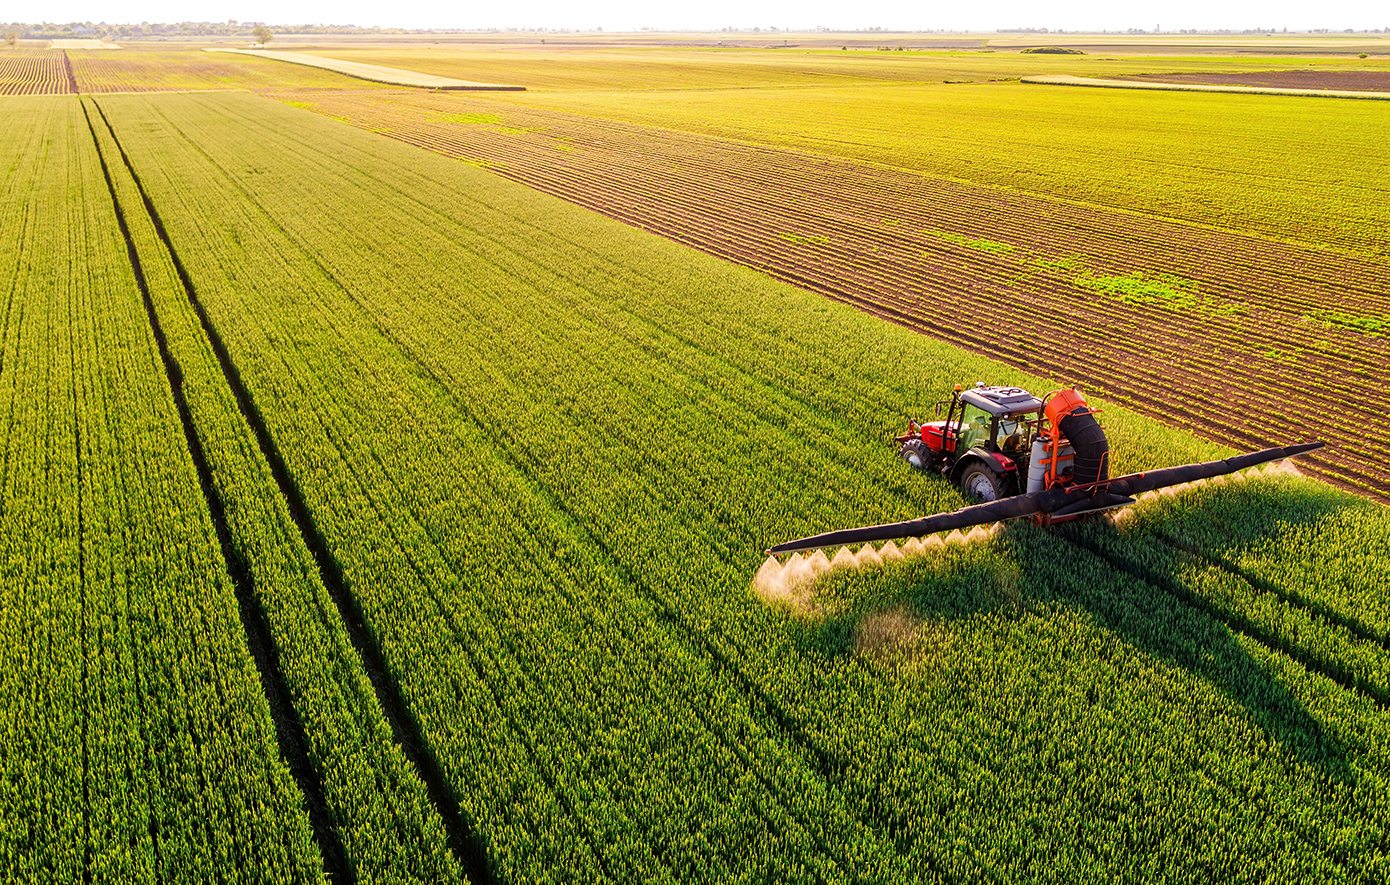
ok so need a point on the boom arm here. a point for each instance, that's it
(1103, 495)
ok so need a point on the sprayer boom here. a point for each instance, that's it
(1051, 504)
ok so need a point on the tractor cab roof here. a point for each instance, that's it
(1002, 400)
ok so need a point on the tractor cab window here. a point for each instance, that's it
(1012, 434)
(974, 428)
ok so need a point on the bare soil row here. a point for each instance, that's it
(1343, 81)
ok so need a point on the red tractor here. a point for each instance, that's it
(1025, 458)
(996, 442)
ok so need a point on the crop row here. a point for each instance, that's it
(33, 73)
(546, 450)
(873, 239)
(138, 745)
(568, 724)
(375, 799)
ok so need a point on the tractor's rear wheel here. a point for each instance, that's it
(916, 453)
(981, 484)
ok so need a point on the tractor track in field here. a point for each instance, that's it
(677, 625)
(1312, 607)
(863, 235)
(663, 610)
(1233, 621)
(464, 842)
(289, 731)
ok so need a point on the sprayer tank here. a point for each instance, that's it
(1040, 460)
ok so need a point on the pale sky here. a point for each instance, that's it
(615, 15)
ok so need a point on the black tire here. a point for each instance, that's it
(980, 484)
(915, 448)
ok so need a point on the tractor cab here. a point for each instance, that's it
(996, 419)
(980, 443)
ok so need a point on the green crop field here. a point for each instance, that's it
(373, 516)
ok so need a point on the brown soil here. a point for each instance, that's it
(1342, 81)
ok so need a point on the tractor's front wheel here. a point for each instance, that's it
(981, 484)
(916, 453)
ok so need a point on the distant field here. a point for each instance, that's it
(376, 509)
(1222, 84)
(156, 68)
(83, 44)
(587, 68)
(376, 73)
(1356, 81)
(1252, 163)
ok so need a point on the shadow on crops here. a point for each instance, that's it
(1222, 530)
(1027, 569)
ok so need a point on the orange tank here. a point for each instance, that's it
(1061, 403)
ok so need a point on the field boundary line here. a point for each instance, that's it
(464, 842)
(289, 731)
(72, 78)
(1156, 86)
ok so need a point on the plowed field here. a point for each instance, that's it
(1247, 340)
(34, 73)
(1352, 81)
(144, 68)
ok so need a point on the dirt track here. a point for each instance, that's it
(1347, 81)
(1163, 84)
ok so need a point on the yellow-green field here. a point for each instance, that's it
(386, 472)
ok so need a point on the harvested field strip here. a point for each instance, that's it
(82, 43)
(1356, 81)
(138, 745)
(33, 73)
(374, 820)
(867, 236)
(376, 73)
(1068, 80)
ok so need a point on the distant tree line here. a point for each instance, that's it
(149, 30)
